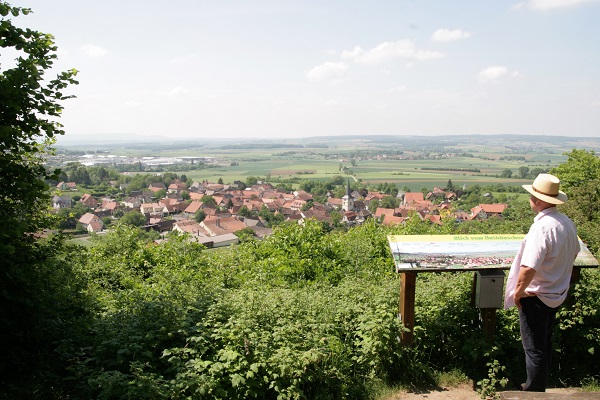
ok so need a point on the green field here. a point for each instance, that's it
(409, 173)
(426, 161)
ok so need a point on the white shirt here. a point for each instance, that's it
(550, 247)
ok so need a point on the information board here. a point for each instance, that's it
(463, 252)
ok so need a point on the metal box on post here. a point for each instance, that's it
(489, 288)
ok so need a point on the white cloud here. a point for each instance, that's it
(328, 72)
(388, 51)
(183, 60)
(447, 35)
(398, 89)
(352, 54)
(93, 51)
(133, 104)
(496, 74)
(543, 5)
(176, 91)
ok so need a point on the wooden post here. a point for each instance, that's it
(488, 321)
(576, 274)
(406, 309)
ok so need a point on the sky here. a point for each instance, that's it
(269, 69)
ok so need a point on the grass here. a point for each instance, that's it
(591, 385)
(452, 378)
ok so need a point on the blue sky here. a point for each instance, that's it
(285, 69)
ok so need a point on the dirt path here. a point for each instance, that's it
(461, 392)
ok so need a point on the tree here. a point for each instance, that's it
(581, 167)
(200, 215)
(133, 218)
(507, 173)
(159, 194)
(30, 106)
(373, 205)
(251, 181)
(336, 219)
(244, 212)
(579, 179)
(523, 172)
(388, 202)
(208, 200)
(307, 185)
(534, 172)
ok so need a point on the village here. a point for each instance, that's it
(213, 214)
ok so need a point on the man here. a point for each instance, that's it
(540, 276)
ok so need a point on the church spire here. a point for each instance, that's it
(348, 200)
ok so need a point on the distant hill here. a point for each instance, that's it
(407, 141)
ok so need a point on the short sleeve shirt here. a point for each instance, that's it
(551, 246)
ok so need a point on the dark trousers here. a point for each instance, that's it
(536, 320)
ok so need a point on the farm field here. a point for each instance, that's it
(407, 162)
(414, 174)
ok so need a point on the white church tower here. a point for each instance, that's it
(348, 200)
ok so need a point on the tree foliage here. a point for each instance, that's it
(30, 106)
(580, 180)
(34, 302)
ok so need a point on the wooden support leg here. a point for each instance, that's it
(488, 320)
(406, 308)
(576, 274)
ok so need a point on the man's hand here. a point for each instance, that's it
(519, 295)
(525, 277)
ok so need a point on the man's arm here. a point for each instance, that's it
(525, 277)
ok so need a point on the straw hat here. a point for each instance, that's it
(546, 188)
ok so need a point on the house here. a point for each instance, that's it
(91, 222)
(485, 211)
(334, 202)
(320, 216)
(494, 210)
(297, 205)
(109, 205)
(59, 202)
(66, 186)
(411, 198)
(190, 227)
(436, 193)
(384, 212)
(392, 220)
(176, 187)
(221, 226)
(349, 217)
(226, 239)
(156, 186)
(196, 195)
(192, 208)
(154, 208)
(132, 202)
(89, 200)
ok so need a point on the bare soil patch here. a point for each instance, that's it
(460, 392)
(293, 171)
